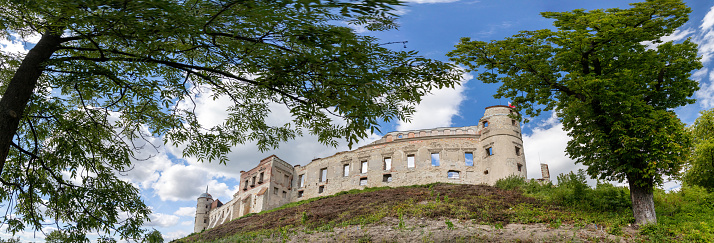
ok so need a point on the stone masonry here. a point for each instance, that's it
(480, 154)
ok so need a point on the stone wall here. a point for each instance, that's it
(479, 154)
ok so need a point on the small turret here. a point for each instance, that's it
(203, 206)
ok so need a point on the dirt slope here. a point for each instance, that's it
(468, 206)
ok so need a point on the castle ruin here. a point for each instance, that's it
(480, 154)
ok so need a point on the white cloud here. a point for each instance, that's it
(675, 36)
(162, 220)
(15, 44)
(706, 38)
(180, 182)
(186, 211)
(708, 21)
(438, 108)
(546, 144)
(174, 235)
(705, 94)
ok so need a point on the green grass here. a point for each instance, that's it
(686, 215)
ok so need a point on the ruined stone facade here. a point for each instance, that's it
(480, 154)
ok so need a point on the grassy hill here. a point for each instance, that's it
(512, 211)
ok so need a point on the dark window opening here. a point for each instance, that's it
(253, 182)
(387, 178)
(485, 123)
(485, 172)
(275, 191)
(363, 181)
(204, 221)
(489, 151)
(300, 193)
(518, 151)
(260, 180)
(323, 174)
(519, 167)
(321, 189)
(285, 194)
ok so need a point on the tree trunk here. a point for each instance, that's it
(20, 89)
(642, 204)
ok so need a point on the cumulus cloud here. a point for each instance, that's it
(162, 220)
(175, 235)
(186, 211)
(546, 144)
(438, 108)
(180, 182)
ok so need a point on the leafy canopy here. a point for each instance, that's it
(613, 93)
(115, 74)
(701, 160)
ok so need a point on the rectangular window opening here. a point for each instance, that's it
(245, 187)
(260, 180)
(346, 170)
(363, 181)
(485, 123)
(275, 191)
(435, 161)
(363, 169)
(518, 151)
(323, 175)
(300, 194)
(321, 189)
(453, 174)
(489, 151)
(513, 122)
(410, 161)
(285, 194)
(469, 158)
(301, 179)
(387, 163)
(520, 166)
(253, 182)
(387, 178)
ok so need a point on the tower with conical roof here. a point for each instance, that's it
(202, 207)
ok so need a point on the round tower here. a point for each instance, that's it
(202, 207)
(502, 144)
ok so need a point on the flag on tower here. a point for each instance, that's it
(511, 106)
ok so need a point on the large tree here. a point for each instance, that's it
(701, 160)
(613, 93)
(107, 74)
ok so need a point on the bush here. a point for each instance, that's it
(511, 182)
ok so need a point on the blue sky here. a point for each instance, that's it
(170, 183)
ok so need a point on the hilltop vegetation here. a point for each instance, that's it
(477, 213)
